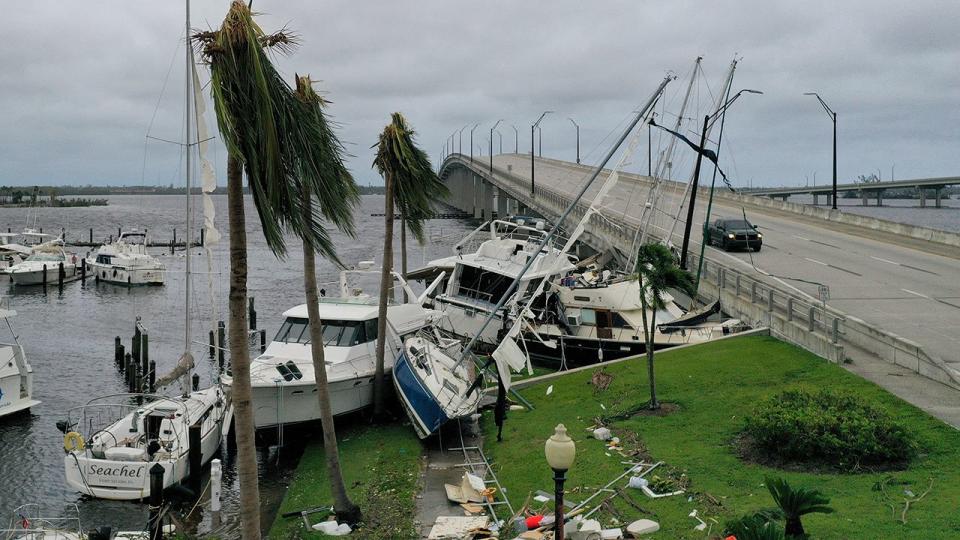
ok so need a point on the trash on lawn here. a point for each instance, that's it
(611, 534)
(602, 434)
(702, 526)
(448, 527)
(541, 498)
(332, 528)
(467, 491)
(643, 526)
(472, 508)
(637, 482)
(549, 389)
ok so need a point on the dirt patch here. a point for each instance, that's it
(744, 448)
(665, 409)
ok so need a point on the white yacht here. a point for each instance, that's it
(597, 316)
(11, 253)
(16, 374)
(479, 279)
(283, 379)
(126, 262)
(44, 259)
(122, 436)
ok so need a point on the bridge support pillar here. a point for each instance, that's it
(863, 197)
(923, 197)
(489, 204)
(879, 197)
(939, 197)
(477, 197)
(816, 199)
(503, 204)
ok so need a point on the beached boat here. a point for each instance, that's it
(122, 436)
(43, 265)
(433, 388)
(283, 379)
(126, 261)
(16, 374)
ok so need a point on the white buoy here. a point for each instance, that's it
(216, 473)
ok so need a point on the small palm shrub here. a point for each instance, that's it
(839, 430)
(792, 505)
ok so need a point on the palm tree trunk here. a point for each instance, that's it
(344, 507)
(403, 252)
(386, 282)
(648, 341)
(239, 356)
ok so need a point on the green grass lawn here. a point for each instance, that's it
(381, 466)
(715, 385)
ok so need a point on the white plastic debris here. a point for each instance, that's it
(332, 528)
(541, 499)
(643, 526)
(637, 482)
(549, 389)
(602, 434)
(611, 534)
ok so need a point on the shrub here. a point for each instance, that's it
(830, 428)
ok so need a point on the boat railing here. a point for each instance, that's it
(26, 521)
(97, 415)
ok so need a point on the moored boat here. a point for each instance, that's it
(44, 264)
(16, 374)
(126, 261)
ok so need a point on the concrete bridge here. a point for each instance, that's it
(874, 190)
(846, 287)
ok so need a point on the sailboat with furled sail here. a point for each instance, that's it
(126, 435)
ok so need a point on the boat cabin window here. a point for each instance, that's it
(104, 259)
(335, 333)
(602, 318)
(482, 285)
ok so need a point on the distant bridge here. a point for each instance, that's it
(867, 191)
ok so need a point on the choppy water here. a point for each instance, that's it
(68, 338)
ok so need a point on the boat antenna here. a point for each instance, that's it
(188, 96)
(556, 226)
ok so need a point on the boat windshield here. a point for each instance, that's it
(45, 257)
(335, 333)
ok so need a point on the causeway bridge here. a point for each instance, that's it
(880, 297)
(869, 190)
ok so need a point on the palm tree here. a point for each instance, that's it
(339, 199)
(270, 136)
(795, 503)
(412, 184)
(656, 272)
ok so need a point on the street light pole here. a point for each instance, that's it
(533, 129)
(471, 140)
(539, 141)
(460, 137)
(833, 117)
(578, 137)
(491, 146)
(500, 140)
(560, 451)
(516, 139)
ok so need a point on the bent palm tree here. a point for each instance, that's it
(412, 184)
(656, 272)
(270, 136)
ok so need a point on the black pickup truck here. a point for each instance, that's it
(729, 234)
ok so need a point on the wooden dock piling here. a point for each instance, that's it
(221, 339)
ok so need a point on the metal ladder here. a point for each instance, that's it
(477, 464)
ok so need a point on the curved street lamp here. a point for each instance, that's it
(833, 116)
(471, 140)
(516, 139)
(532, 156)
(578, 137)
(493, 127)
(460, 139)
(560, 451)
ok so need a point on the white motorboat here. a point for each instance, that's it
(11, 253)
(479, 279)
(126, 261)
(283, 379)
(16, 374)
(43, 265)
(127, 434)
(432, 386)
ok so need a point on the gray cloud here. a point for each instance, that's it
(80, 81)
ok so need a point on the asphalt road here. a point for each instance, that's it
(909, 289)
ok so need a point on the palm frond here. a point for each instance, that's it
(282, 136)
(796, 502)
(656, 265)
(416, 185)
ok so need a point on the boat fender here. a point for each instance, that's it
(73, 441)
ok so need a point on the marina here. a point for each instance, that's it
(291, 316)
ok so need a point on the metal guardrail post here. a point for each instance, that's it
(811, 323)
(789, 308)
(836, 330)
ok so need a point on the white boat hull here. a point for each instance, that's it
(35, 277)
(126, 276)
(294, 403)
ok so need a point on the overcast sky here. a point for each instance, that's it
(80, 81)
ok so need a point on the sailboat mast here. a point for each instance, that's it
(188, 96)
